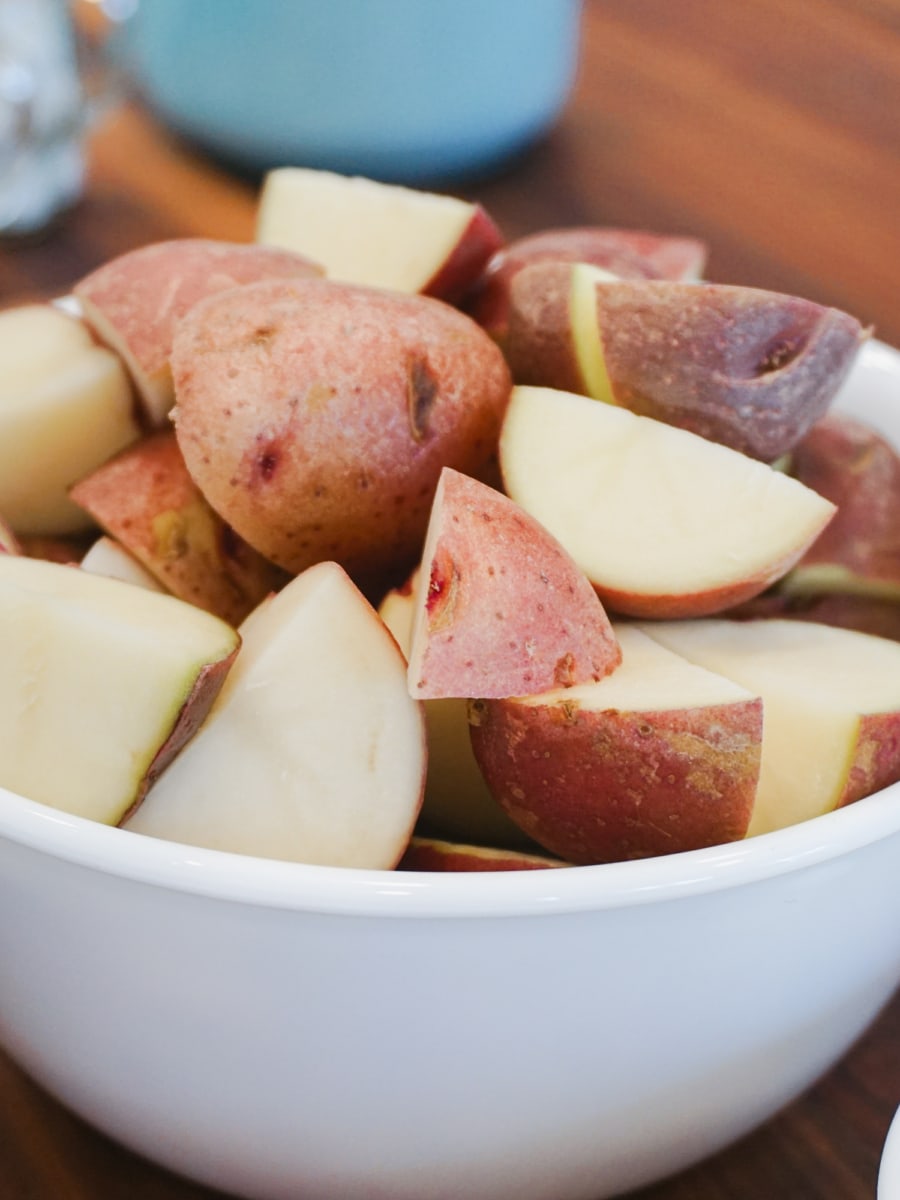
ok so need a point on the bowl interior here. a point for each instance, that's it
(870, 393)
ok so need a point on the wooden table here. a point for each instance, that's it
(769, 128)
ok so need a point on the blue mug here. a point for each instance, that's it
(401, 90)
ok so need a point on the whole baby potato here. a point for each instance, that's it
(316, 416)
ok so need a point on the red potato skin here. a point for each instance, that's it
(876, 764)
(666, 607)
(605, 786)
(316, 417)
(432, 854)
(628, 253)
(134, 302)
(191, 716)
(480, 241)
(858, 470)
(145, 499)
(539, 345)
(751, 369)
(506, 610)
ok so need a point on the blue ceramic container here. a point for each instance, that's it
(405, 90)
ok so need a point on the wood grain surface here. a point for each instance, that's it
(771, 128)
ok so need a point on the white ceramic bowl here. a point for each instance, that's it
(279, 1030)
(889, 1174)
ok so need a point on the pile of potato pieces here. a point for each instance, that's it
(331, 406)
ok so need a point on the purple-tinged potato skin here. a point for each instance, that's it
(605, 786)
(539, 346)
(145, 499)
(316, 417)
(628, 253)
(134, 302)
(751, 369)
(193, 712)
(850, 464)
(433, 854)
(480, 240)
(507, 612)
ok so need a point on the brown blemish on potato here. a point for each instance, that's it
(262, 335)
(318, 396)
(777, 356)
(422, 391)
(265, 462)
(443, 594)
(564, 671)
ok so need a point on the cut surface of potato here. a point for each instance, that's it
(376, 234)
(101, 684)
(65, 406)
(664, 523)
(107, 557)
(314, 751)
(832, 707)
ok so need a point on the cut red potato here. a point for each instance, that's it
(457, 804)
(65, 406)
(134, 302)
(108, 557)
(659, 757)
(433, 854)
(623, 253)
(146, 500)
(377, 234)
(859, 471)
(314, 750)
(316, 416)
(102, 683)
(501, 609)
(662, 522)
(748, 368)
(832, 708)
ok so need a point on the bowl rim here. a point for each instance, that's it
(351, 891)
(889, 1170)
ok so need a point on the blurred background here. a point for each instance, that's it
(768, 129)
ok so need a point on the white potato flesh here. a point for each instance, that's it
(646, 508)
(314, 750)
(359, 230)
(65, 407)
(650, 678)
(95, 675)
(816, 682)
(107, 557)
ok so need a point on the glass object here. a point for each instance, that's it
(41, 114)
